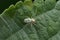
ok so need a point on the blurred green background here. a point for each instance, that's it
(6, 3)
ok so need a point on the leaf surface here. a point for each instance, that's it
(46, 26)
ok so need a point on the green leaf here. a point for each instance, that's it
(45, 27)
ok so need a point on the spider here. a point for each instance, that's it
(29, 20)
